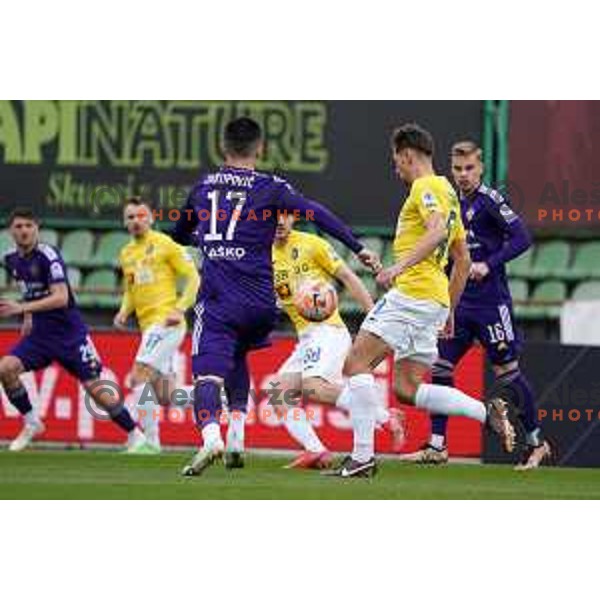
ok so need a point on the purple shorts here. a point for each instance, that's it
(78, 356)
(222, 335)
(492, 326)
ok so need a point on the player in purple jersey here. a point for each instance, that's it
(231, 215)
(53, 330)
(495, 236)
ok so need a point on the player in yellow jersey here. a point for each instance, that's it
(417, 308)
(152, 263)
(315, 365)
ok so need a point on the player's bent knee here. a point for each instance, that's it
(405, 392)
(10, 369)
(353, 365)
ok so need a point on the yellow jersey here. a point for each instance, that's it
(303, 256)
(427, 280)
(151, 267)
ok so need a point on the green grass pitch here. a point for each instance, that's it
(105, 475)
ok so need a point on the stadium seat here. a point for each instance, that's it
(49, 236)
(551, 260)
(77, 247)
(388, 253)
(6, 242)
(3, 279)
(109, 247)
(341, 250)
(586, 263)
(100, 290)
(545, 302)
(74, 277)
(588, 290)
(521, 266)
(519, 290)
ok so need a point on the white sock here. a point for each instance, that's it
(236, 431)
(382, 414)
(343, 400)
(211, 434)
(437, 441)
(363, 410)
(147, 414)
(443, 400)
(301, 429)
(31, 418)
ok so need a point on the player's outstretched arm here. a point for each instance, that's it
(315, 212)
(355, 287)
(58, 298)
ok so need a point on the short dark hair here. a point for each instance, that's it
(414, 137)
(241, 137)
(23, 212)
(466, 148)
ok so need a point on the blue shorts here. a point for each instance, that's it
(494, 328)
(78, 356)
(223, 335)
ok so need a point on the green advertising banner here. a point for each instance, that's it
(73, 159)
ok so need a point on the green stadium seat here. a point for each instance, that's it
(49, 236)
(588, 290)
(100, 290)
(545, 302)
(388, 253)
(109, 247)
(77, 247)
(3, 279)
(521, 266)
(341, 250)
(551, 260)
(74, 277)
(586, 263)
(6, 242)
(519, 290)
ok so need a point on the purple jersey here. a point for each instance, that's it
(34, 275)
(495, 235)
(231, 215)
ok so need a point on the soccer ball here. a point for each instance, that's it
(315, 300)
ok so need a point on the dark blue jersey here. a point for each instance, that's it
(231, 215)
(495, 236)
(34, 274)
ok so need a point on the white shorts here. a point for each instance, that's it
(408, 325)
(158, 347)
(320, 352)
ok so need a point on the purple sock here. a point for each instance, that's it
(207, 402)
(514, 387)
(237, 386)
(120, 416)
(19, 398)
